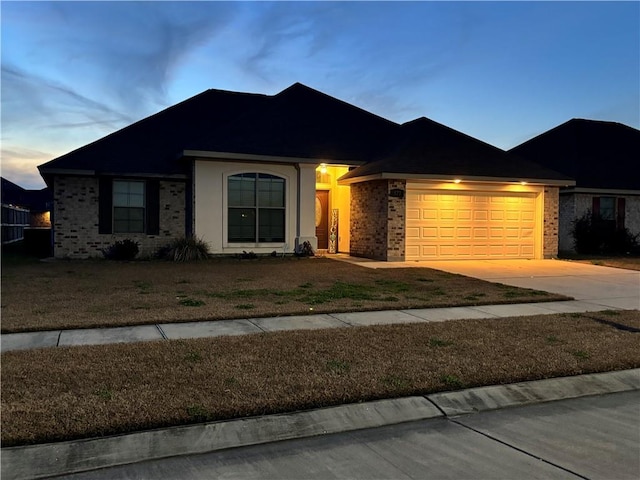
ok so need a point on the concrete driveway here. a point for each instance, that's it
(605, 286)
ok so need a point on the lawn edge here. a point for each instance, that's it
(554, 297)
(44, 460)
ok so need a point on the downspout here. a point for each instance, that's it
(298, 200)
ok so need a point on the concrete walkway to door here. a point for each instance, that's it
(592, 284)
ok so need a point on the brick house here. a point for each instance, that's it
(602, 157)
(267, 173)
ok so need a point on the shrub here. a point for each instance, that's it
(304, 250)
(185, 249)
(121, 250)
(593, 235)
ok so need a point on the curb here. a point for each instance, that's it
(44, 460)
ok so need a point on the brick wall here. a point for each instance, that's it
(550, 222)
(368, 231)
(76, 219)
(377, 220)
(396, 222)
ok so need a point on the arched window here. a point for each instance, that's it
(256, 203)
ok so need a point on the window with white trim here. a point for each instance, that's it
(256, 208)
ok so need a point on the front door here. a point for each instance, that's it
(322, 218)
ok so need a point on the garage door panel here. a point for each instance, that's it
(463, 232)
(480, 233)
(413, 213)
(470, 225)
(481, 215)
(429, 214)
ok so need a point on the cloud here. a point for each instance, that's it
(132, 51)
(31, 101)
(18, 165)
(377, 55)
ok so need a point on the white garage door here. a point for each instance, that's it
(469, 225)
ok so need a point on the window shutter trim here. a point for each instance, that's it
(620, 213)
(595, 210)
(153, 207)
(105, 205)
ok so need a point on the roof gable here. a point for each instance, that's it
(423, 146)
(305, 123)
(597, 154)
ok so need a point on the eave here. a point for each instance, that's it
(449, 178)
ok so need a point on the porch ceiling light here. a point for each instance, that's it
(523, 182)
(456, 180)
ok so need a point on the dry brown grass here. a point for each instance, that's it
(65, 393)
(83, 294)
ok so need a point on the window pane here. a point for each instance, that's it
(136, 188)
(271, 225)
(128, 220)
(136, 200)
(242, 190)
(120, 186)
(242, 225)
(120, 199)
(270, 191)
(607, 208)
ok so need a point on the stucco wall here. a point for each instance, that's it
(75, 219)
(210, 212)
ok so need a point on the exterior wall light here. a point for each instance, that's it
(323, 168)
(457, 180)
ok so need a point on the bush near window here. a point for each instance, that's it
(185, 249)
(121, 250)
(592, 235)
(304, 250)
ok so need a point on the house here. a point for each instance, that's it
(603, 158)
(23, 210)
(267, 173)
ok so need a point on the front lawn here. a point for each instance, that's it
(75, 392)
(99, 293)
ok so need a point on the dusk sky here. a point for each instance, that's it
(73, 72)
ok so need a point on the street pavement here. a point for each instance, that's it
(590, 437)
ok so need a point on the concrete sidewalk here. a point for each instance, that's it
(38, 461)
(216, 328)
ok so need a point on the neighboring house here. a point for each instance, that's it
(268, 173)
(23, 209)
(604, 159)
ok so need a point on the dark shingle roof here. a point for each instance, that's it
(154, 144)
(423, 146)
(35, 200)
(298, 122)
(305, 123)
(597, 154)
